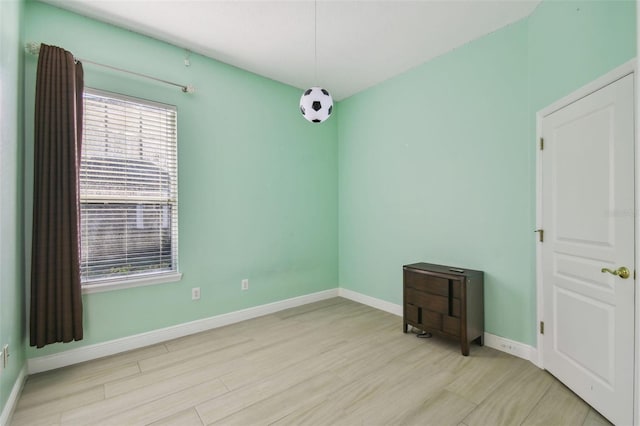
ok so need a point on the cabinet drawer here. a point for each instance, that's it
(427, 301)
(432, 320)
(437, 304)
(428, 283)
(411, 313)
(451, 325)
(415, 297)
(430, 302)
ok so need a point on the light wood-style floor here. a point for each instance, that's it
(334, 362)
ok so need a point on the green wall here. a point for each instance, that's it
(431, 169)
(438, 164)
(257, 183)
(12, 312)
(573, 42)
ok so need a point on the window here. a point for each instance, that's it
(128, 190)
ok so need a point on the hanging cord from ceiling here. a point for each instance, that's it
(315, 38)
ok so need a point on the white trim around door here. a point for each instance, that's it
(612, 76)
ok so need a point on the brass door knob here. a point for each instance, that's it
(622, 272)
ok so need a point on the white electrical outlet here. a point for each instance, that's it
(245, 284)
(195, 293)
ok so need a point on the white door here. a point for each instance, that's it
(588, 220)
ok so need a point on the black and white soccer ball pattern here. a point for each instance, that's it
(316, 104)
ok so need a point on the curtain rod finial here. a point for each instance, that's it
(32, 48)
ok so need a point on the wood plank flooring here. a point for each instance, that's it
(334, 362)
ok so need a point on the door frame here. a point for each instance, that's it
(623, 70)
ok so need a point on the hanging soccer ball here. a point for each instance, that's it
(316, 104)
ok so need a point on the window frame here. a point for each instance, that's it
(139, 279)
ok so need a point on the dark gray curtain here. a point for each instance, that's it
(56, 297)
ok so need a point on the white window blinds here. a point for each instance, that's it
(128, 188)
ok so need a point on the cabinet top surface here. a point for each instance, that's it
(442, 269)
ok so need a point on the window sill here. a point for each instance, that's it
(120, 284)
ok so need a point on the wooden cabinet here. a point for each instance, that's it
(445, 301)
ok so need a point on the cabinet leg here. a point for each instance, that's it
(464, 347)
(405, 328)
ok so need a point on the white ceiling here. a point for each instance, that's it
(359, 43)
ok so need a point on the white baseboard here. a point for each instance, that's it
(99, 350)
(7, 411)
(512, 347)
(383, 305)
